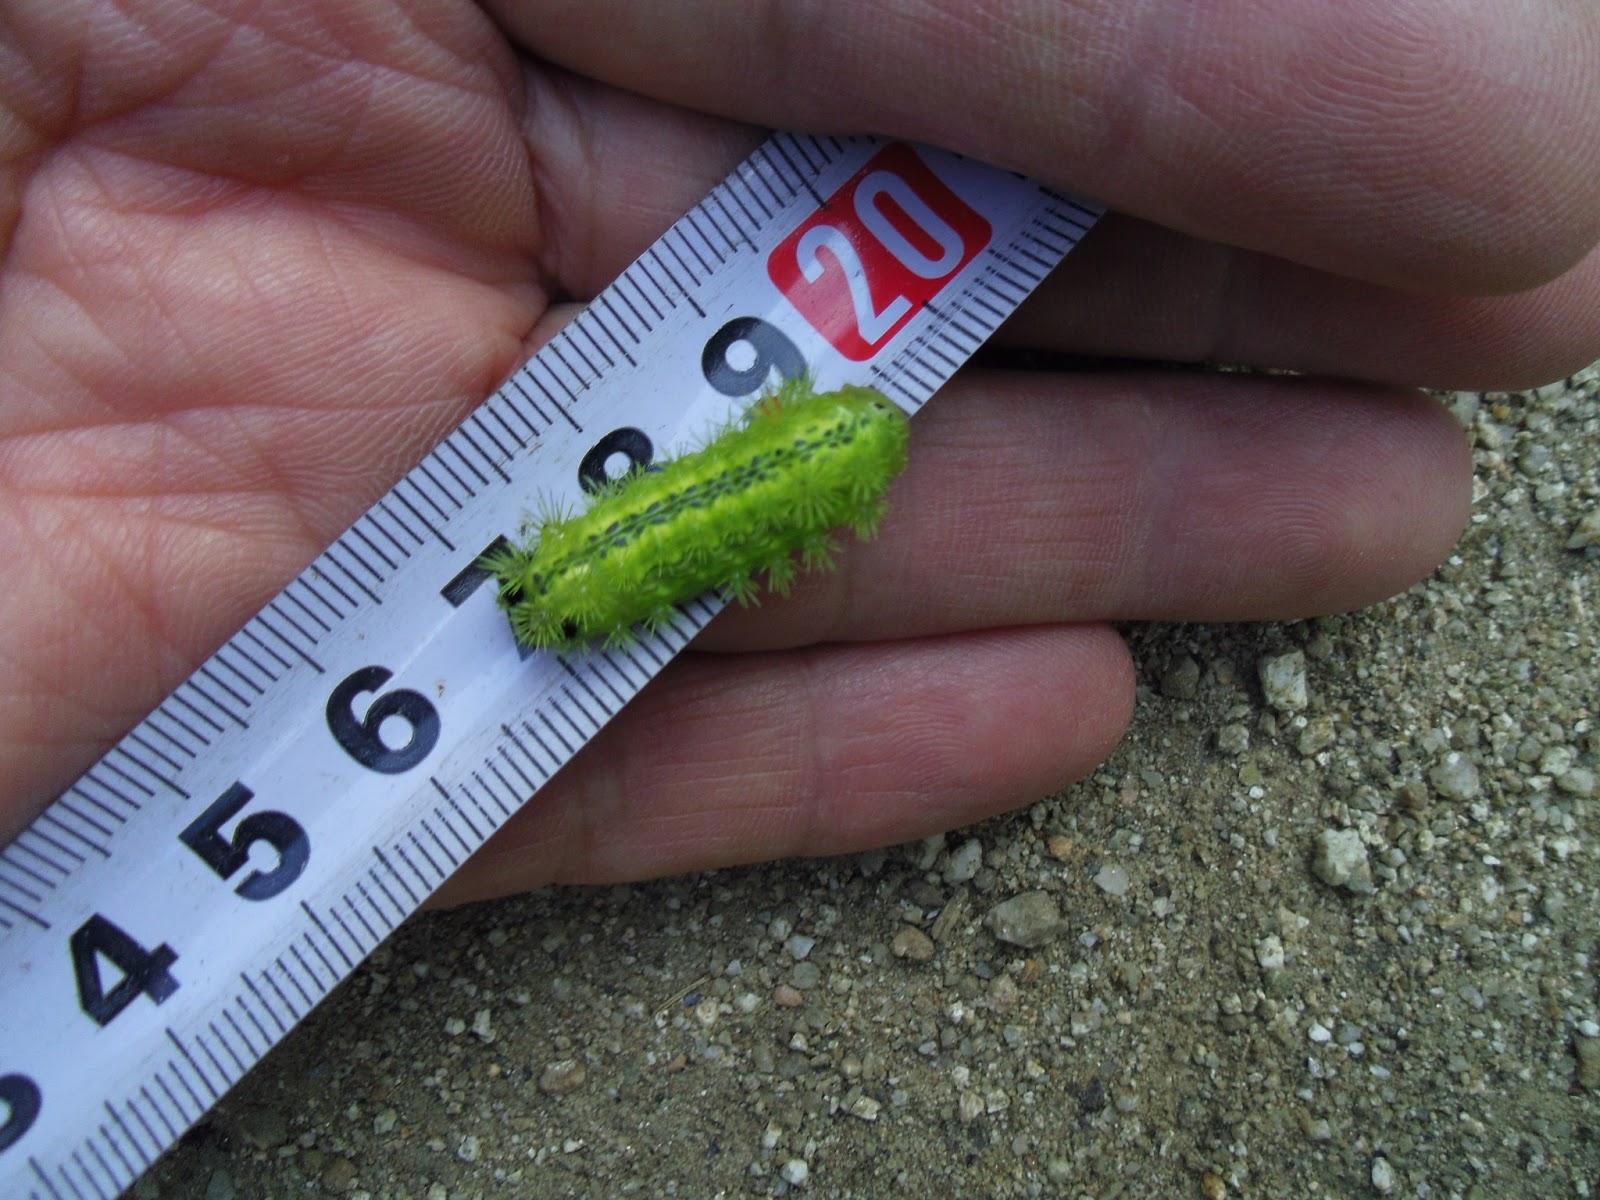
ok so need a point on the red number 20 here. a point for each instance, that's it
(883, 245)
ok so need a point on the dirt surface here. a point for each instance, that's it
(1325, 925)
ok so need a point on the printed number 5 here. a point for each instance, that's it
(281, 832)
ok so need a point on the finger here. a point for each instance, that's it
(1035, 498)
(1414, 143)
(1135, 290)
(822, 751)
(616, 169)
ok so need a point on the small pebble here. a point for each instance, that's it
(964, 861)
(1112, 879)
(1455, 777)
(1318, 734)
(1587, 1050)
(1317, 1129)
(1181, 679)
(1233, 739)
(1003, 995)
(264, 1128)
(1269, 952)
(861, 1106)
(1283, 681)
(1339, 859)
(562, 1076)
(969, 1107)
(1586, 532)
(1382, 1175)
(340, 1173)
(795, 1172)
(1029, 919)
(1579, 781)
(911, 943)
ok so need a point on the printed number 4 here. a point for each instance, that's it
(144, 972)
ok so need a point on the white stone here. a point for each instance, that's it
(795, 1172)
(1382, 1175)
(1269, 952)
(1283, 681)
(1455, 777)
(964, 861)
(1340, 860)
(1112, 879)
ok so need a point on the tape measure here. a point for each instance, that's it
(182, 905)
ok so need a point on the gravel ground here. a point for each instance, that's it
(1325, 925)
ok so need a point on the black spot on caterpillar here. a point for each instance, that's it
(798, 465)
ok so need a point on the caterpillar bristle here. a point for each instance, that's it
(816, 554)
(742, 587)
(867, 523)
(780, 573)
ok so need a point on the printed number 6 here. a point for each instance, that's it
(361, 739)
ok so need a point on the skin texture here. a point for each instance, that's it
(258, 258)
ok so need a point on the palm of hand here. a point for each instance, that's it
(195, 199)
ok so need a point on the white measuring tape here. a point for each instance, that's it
(184, 904)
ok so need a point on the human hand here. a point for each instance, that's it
(257, 265)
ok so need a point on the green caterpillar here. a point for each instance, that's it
(800, 463)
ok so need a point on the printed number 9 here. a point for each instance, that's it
(773, 349)
(773, 352)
